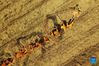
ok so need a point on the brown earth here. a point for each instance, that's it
(23, 17)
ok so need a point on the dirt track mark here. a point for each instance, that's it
(64, 53)
(69, 61)
(27, 10)
(21, 33)
(20, 26)
(3, 4)
(11, 18)
(73, 43)
(58, 48)
(5, 7)
(79, 23)
(31, 20)
(86, 33)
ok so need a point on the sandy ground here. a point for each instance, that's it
(23, 17)
(83, 58)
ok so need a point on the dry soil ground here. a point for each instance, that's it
(83, 58)
(23, 17)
